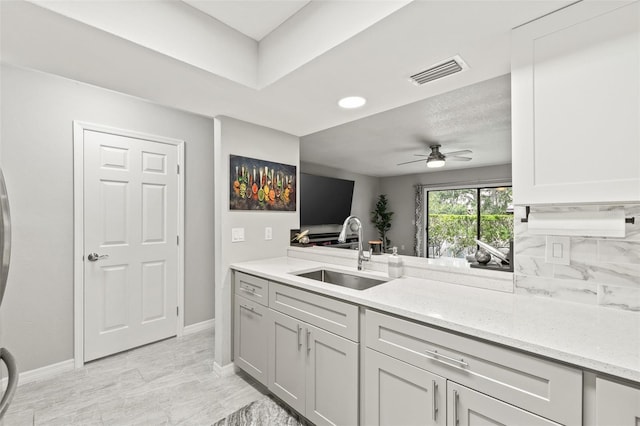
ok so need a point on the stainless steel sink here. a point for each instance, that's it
(355, 282)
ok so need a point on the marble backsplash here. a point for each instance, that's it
(602, 271)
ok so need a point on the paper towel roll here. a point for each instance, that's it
(608, 223)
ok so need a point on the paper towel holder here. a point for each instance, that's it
(631, 220)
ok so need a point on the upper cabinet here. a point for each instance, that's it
(576, 105)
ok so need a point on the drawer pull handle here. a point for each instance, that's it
(434, 390)
(250, 290)
(456, 420)
(299, 341)
(436, 357)
(308, 341)
(249, 308)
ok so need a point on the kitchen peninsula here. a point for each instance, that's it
(457, 327)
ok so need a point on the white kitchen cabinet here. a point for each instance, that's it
(524, 384)
(575, 105)
(616, 404)
(287, 360)
(313, 370)
(398, 393)
(250, 338)
(534, 384)
(467, 407)
(332, 378)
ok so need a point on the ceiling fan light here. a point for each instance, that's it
(435, 163)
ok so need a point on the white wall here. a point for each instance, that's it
(248, 140)
(37, 158)
(400, 191)
(365, 194)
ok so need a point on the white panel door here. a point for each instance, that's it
(575, 78)
(331, 378)
(397, 393)
(617, 404)
(286, 372)
(131, 225)
(250, 342)
(467, 407)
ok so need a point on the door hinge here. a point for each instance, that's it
(178, 168)
(177, 240)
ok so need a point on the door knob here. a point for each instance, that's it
(95, 256)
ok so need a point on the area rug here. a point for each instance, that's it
(263, 412)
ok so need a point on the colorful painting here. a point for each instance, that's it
(261, 185)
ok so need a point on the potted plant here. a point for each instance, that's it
(381, 219)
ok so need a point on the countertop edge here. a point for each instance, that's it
(568, 357)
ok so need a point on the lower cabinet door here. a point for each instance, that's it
(250, 338)
(617, 404)
(332, 378)
(468, 407)
(287, 360)
(397, 393)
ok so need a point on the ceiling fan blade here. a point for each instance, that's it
(450, 158)
(407, 162)
(422, 155)
(454, 153)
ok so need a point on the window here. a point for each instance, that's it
(457, 217)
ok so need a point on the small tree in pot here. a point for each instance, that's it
(381, 218)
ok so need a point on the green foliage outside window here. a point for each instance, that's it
(454, 235)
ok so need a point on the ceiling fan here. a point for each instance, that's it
(437, 159)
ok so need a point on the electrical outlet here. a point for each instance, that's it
(268, 233)
(237, 235)
(558, 250)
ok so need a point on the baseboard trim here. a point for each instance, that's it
(199, 326)
(43, 373)
(226, 371)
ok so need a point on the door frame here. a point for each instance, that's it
(78, 225)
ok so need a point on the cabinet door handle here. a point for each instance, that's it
(434, 390)
(456, 420)
(308, 341)
(249, 308)
(436, 357)
(299, 341)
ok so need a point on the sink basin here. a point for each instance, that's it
(354, 282)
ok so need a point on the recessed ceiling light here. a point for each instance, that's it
(351, 102)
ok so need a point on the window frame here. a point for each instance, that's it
(477, 186)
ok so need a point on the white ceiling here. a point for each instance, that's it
(252, 18)
(368, 48)
(476, 117)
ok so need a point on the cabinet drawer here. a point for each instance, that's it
(252, 288)
(329, 314)
(534, 384)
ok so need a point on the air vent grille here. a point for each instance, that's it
(438, 71)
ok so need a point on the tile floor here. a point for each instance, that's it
(166, 383)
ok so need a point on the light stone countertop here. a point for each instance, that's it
(595, 338)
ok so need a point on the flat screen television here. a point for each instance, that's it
(324, 200)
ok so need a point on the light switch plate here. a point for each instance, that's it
(237, 235)
(558, 250)
(268, 233)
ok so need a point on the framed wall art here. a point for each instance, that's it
(261, 185)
